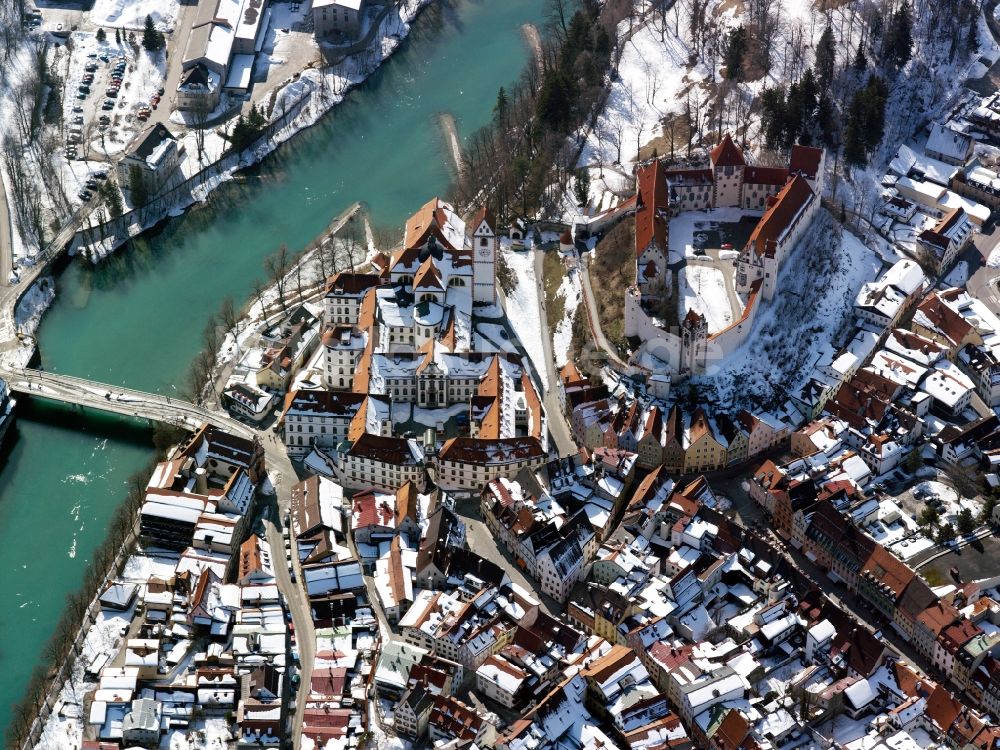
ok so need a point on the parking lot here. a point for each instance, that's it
(974, 562)
(110, 92)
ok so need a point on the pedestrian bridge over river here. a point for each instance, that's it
(118, 400)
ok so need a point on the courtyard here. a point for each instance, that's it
(704, 246)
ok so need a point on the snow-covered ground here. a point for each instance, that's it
(570, 292)
(812, 305)
(703, 289)
(522, 308)
(652, 76)
(131, 14)
(685, 225)
(104, 637)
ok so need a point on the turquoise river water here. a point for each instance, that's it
(137, 319)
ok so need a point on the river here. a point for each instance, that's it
(137, 319)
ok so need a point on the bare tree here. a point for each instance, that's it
(277, 266)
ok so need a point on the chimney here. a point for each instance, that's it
(201, 480)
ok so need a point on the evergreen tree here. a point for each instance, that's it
(500, 108)
(240, 137)
(966, 523)
(865, 121)
(826, 58)
(860, 61)
(736, 49)
(946, 533)
(112, 198)
(256, 119)
(555, 100)
(581, 186)
(137, 187)
(101, 36)
(825, 118)
(899, 39)
(772, 103)
(152, 40)
(118, 37)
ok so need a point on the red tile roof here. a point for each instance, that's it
(765, 175)
(805, 160)
(650, 219)
(727, 154)
(792, 198)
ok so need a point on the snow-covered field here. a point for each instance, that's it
(131, 14)
(523, 310)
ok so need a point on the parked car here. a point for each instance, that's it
(85, 195)
(78, 120)
(101, 174)
(108, 104)
(77, 108)
(106, 120)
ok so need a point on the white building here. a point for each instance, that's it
(152, 158)
(948, 145)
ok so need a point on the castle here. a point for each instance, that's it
(788, 198)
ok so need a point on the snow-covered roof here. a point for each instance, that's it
(860, 694)
(240, 72)
(948, 143)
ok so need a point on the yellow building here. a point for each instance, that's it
(702, 450)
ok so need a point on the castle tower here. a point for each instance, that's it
(727, 173)
(694, 342)
(484, 252)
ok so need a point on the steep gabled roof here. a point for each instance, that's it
(650, 213)
(727, 154)
(805, 160)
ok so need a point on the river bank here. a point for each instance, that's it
(295, 107)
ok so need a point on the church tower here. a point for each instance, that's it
(484, 254)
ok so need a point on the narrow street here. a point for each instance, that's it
(593, 319)
(480, 540)
(283, 476)
(176, 43)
